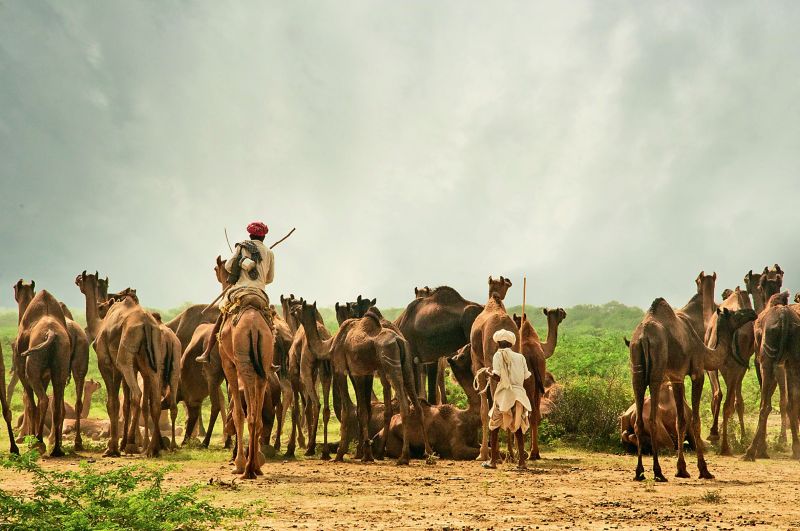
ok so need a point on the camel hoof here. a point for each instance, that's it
(535, 457)
(660, 478)
(748, 457)
(131, 449)
(339, 459)
(57, 452)
(248, 475)
(522, 466)
(403, 460)
(705, 474)
(682, 474)
(326, 457)
(78, 445)
(488, 464)
(289, 452)
(639, 476)
(111, 453)
(14, 449)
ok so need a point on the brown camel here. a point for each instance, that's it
(732, 371)
(4, 402)
(453, 432)
(778, 338)
(89, 388)
(666, 423)
(43, 349)
(128, 345)
(361, 348)
(533, 350)
(246, 346)
(666, 347)
(494, 317)
(79, 357)
(436, 325)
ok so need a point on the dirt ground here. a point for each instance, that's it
(568, 489)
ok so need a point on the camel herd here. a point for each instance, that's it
(274, 364)
(704, 337)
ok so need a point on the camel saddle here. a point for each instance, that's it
(241, 299)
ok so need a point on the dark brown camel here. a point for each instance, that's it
(246, 346)
(494, 317)
(666, 347)
(778, 339)
(43, 349)
(436, 325)
(732, 371)
(452, 432)
(170, 380)
(129, 345)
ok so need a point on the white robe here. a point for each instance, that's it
(510, 399)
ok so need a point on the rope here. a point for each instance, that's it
(476, 384)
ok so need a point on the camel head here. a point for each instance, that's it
(797, 297)
(499, 287)
(420, 293)
(305, 313)
(91, 386)
(751, 281)
(362, 305)
(771, 281)
(555, 315)
(461, 364)
(122, 295)
(727, 292)
(221, 272)
(102, 289)
(704, 282)
(23, 293)
(103, 307)
(88, 283)
(779, 299)
(156, 316)
(344, 311)
(728, 321)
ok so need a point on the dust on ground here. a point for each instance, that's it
(568, 489)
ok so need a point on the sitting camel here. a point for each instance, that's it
(452, 432)
(89, 388)
(666, 347)
(666, 424)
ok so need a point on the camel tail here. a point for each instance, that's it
(640, 351)
(255, 353)
(150, 348)
(537, 377)
(784, 334)
(169, 364)
(49, 339)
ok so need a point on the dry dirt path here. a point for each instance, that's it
(569, 489)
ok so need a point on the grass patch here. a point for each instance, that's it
(712, 496)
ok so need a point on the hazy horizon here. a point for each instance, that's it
(608, 151)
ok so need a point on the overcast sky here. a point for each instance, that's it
(608, 150)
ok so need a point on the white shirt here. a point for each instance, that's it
(265, 268)
(513, 371)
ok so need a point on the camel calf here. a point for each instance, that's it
(666, 423)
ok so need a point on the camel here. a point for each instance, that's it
(360, 348)
(535, 356)
(43, 349)
(128, 343)
(666, 347)
(732, 371)
(554, 318)
(494, 317)
(436, 325)
(452, 432)
(70, 413)
(246, 347)
(777, 333)
(79, 356)
(666, 423)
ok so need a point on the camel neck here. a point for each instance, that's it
(87, 401)
(714, 358)
(22, 306)
(319, 347)
(92, 315)
(549, 347)
(708, 305)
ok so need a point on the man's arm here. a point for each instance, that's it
(232, 260)
(271, 271)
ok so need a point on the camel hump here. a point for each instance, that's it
(43, 304)
(656, 304)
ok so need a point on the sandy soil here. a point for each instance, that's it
(569, 489)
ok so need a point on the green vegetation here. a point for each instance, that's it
(129, 497)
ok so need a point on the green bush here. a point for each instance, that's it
(130, 497)
(588, 411)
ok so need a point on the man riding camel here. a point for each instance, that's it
(511, 404)
(251, 266)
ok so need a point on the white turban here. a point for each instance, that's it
(504, 335)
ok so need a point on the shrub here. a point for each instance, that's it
(130, 497)
(588, 411)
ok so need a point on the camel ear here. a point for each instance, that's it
(33, 284)
(507, 282)
(373, 302)
(315, 305)
(627, 343)
(336, 306)
(719, 311)
(714, 276)
(544, 311)
(416, 291)
(490, 279)
(106, 280)
(83, 275)
(766, 270)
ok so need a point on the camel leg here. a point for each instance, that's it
(112, 382)
(290, 446)
(716, 401)
(58, 415)
(639, 386)
(495, 436)
(697, 394)
(432, 370)
(535, 418)
(520, 436)
(145, 407)
(325, 378)
(484, 454)
(192, 414)
(79, 381)
(363, 385)
(4, 402)
(740, 406)
(217, 399)
(387, 415)
(133, 408)
(440, 385)
(406, 384)
(173, 416)
(237, 413)
(340, 380)
(784, 402)
(255, 404)
(768, 384)
(201, 428)
(793, 399)
(268, 419)
(153, 390)
(730, 399)
(655, 391)
(679, 393)
(286, 402)
(43, 403)
(308, 382)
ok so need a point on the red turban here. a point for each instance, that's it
(257, 228)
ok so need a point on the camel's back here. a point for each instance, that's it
(42, 305)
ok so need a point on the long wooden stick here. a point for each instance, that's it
(279, 241)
